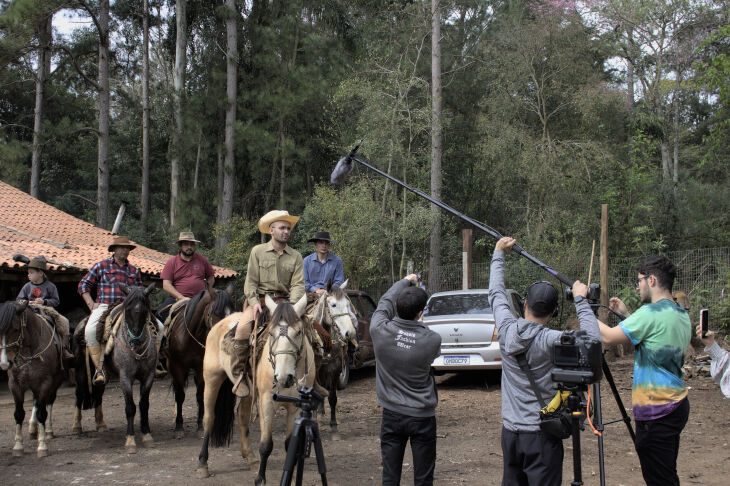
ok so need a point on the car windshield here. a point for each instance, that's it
(443, 305)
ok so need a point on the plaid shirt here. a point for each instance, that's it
(104, 277)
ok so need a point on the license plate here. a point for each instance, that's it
(456, 360)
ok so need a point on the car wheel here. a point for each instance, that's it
(344, 377)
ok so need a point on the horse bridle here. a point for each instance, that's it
(283, 333)
(19, 343)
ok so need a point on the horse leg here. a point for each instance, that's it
(49, 422)
(33, 422)
(98, 391)
(213, 381)
(266, 443)
(178, 385)
(199, 395)
(19, 416)
(42, 444)
(244, 416)
(332, 398)
(144, 408)
(130, 409)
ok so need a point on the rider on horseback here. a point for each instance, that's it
(273, 268)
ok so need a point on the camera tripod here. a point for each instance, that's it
(304, 434)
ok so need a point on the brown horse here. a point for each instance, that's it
(287, 362)
(333, 311)
(187, 332)
(31, 353)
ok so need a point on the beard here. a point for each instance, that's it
(187, 253)
(645, 298)
(281, 238)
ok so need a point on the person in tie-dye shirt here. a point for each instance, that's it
(660, 331)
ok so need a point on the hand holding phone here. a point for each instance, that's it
(704, 321)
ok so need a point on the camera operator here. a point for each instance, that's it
(404, 351)
(720, 360)
(660, 331)
(530, 457)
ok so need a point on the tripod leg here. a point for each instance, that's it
(295, 449)
(319, 452)
(614, 390)
(577, 473)
(598, 425)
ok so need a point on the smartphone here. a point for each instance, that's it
(704, 321)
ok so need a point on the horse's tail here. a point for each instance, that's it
(87, 395)
(225, 405)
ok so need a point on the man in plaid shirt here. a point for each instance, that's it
(104, 277)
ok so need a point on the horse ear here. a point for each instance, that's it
(329, 285)
(20, 306)
(229, 289)
(344, 284)
(150, 288)
(124, 288)
(301, 306)
(270, 304)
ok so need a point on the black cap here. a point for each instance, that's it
(542, 298)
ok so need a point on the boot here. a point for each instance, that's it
(239, 365)
(160, 370)
(68, 357)
(99, 377)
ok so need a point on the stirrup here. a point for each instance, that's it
(99, 373)
(240, 387)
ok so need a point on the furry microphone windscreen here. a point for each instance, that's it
(342, 170)
(21, 258)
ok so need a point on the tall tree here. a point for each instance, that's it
(45, 37)
(176, 149)
(436, 126)
(145, 189)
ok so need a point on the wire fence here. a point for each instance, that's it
(702, 274)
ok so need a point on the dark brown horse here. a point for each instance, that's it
(187, 333)
(31, 353)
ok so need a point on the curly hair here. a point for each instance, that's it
(659, 266)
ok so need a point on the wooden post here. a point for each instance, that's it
(603, 313)
(466, 259)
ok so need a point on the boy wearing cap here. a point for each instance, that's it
(530, 457)
(40, 291)
(322, 266)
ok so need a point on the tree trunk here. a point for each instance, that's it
(197, 159)
(45, 37)
(181, 42)
(102, 197)
(435, 247)
(630, 84)
(144, 204)
(231, 85)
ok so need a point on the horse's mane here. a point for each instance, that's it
(7, 312)
(135, 294)
(222, 301)
(284, 312)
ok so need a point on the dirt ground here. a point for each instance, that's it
(469, 452)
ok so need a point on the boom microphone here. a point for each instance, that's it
(344, 167)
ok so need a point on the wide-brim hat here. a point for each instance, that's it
(273, 216)
(121, 241)
(187, 236)
(37, 262)
(321, 236)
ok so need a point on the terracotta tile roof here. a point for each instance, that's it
(31, 227)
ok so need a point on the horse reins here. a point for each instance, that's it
(128, 349)
(19, 343)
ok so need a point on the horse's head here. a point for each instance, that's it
(11, 330)
(136, 306)
(286, 339)
(222, 304)
(336, 311)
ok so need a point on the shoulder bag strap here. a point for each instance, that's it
(522, 361)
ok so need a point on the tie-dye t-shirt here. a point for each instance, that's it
(660, 333)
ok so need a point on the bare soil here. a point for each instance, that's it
(469, 451)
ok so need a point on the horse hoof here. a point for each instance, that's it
(42, 452)
(131, 449)
(49, 435)
(102, 428)
(202, 472)
(33, 435)
(76, 430)
(259, 481)
(148, 441)
(179, 434)
(17, 452)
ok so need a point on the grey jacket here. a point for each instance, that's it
(520, 407)
(47, 291)
(404, 351)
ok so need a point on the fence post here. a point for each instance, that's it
(603, 313)
(466, 259)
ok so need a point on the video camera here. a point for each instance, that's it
(594, 293)
(307, 400)
(577, 358)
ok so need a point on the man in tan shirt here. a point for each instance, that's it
(273, 268)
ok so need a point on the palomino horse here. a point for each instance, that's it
(287, 362)
(31, 346)
(186, 333)
(134, 356)
(333, 312)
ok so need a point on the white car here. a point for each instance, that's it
(465, 321)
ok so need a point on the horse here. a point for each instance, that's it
(186, 333)
(333, 311)
(31, 353)
(287, 361)
(134, 356)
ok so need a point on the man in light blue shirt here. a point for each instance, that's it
(321, 266)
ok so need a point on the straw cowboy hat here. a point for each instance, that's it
(187, 236)
(38, 262)
(321, 236)
(121, 241)
(273, 216)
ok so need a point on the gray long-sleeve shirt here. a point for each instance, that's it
(520, 407)
(46, 291)
(404, 351)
